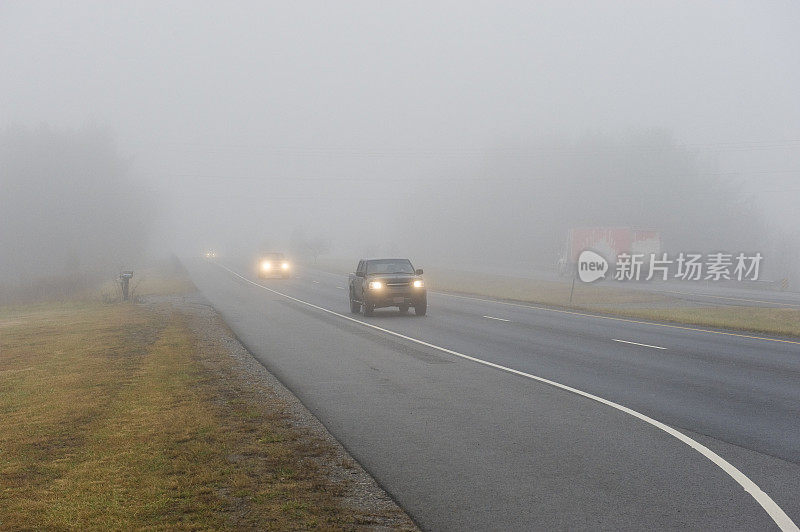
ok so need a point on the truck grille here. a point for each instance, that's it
(398, 284)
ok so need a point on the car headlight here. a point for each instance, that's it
(375, 285)
(266, 265)
(285, 265)
(418, 283)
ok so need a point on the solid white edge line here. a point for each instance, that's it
(765, 501)
(637, 343)
(493, 318)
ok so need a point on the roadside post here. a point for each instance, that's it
(572, 290)
(124, 280)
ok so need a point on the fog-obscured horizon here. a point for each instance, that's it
(448, 132)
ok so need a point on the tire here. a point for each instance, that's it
(403, 309)
(421, 308)
(368, 309)
(355, 306)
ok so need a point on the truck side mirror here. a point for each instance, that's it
(359, 274)
(419, 272)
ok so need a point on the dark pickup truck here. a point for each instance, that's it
(379, 283)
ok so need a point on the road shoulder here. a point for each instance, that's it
(246, 379)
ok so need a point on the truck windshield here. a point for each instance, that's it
(390, 266)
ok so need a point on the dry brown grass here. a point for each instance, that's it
(50, 288)
(773, 321)
(166, 277)
(112, 417)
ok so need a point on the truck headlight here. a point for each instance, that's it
(285, 265)
(418, 283)
(266, 265)
(375, 285)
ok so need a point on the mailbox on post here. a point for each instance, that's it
(124, 280)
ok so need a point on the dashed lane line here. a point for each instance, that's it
(637, 343)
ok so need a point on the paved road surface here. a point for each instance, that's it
(462, 445)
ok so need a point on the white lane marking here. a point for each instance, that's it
(341, 288)
(493, 318)
(765, 501)
(613, 318)
(637, 343)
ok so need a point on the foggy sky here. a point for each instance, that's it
(251, 120)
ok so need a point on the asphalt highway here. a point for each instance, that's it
(488, 415)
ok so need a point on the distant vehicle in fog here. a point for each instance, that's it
(608, 242)
(211, 254)
(273, 265)
(380, 283)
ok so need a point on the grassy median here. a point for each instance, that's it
(622, 302)
(773, 321)
(113, 416)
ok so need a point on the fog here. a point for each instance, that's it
(446, 132)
